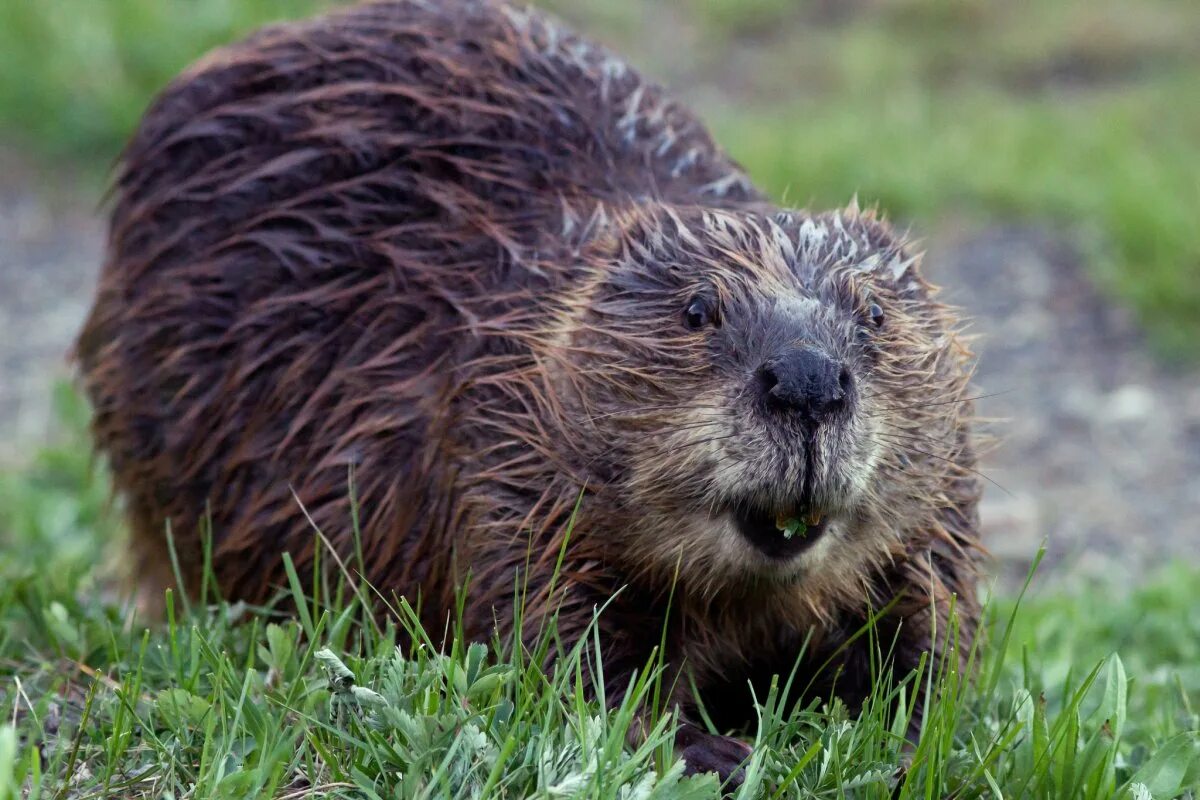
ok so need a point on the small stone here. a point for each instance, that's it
(1011, 526)
(1130, 403)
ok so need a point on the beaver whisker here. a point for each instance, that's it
(898, 439)
(668, 430)
(686, 445)
(680, 407)
(676, 428)
(941, 402)
(892, 428)
(672, 427)
(952, 462)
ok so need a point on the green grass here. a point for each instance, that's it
(226, 701)
(75, 75)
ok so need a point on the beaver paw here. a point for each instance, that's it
(706, 752)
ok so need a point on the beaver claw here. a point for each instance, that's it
(705, 752)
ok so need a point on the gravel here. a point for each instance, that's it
(50, 246)
(1098, 444)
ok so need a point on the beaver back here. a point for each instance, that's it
(309, 229)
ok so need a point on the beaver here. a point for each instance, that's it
(560, 339)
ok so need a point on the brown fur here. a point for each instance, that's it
(447, 244)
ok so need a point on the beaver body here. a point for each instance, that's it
(521, 294)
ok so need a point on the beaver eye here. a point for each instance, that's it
(698, 314)
(875, 314)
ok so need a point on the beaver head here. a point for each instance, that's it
(748, 388)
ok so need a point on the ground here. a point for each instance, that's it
(1098, 444)
(51, 244)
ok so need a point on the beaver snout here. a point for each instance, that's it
(806, 382)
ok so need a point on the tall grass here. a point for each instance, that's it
(231, 702)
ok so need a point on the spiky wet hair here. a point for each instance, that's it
(636, 388)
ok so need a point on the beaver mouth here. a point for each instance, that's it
(780, 534)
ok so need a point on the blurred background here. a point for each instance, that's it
(1046, 153)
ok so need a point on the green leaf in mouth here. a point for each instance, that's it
(791, 527)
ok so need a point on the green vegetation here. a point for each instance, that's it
(227, 701)
(75, 75)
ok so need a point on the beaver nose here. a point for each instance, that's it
(805, 381)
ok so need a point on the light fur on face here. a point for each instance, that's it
(674, 410)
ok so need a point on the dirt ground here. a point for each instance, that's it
(50, 245)
(1099, 445)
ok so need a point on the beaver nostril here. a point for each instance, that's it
(767, 379)
(804, 381)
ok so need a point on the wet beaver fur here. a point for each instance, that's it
(484, 263)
